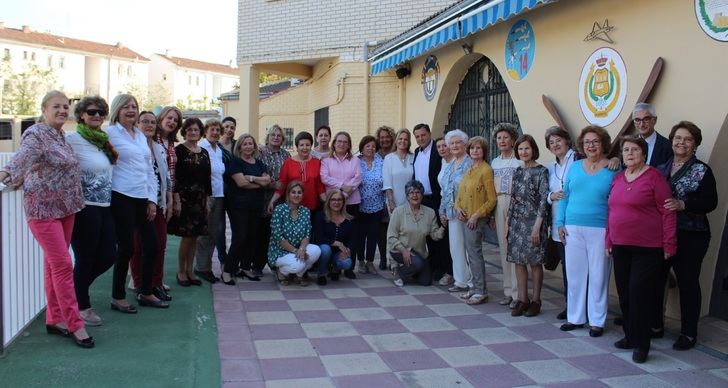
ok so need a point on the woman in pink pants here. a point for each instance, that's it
(46, 167)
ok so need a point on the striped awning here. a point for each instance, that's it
(493, 12)
(479, 19)
(425, 43)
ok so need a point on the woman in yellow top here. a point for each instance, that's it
(475, 200)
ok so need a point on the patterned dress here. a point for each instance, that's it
(194, 185)
(528, 201)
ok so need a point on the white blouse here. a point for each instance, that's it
(557, 175)
(134, 172)
(96, 171)
(396, 173)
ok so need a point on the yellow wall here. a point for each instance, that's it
(693, 86)
(342, 86)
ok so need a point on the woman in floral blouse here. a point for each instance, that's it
(371, 208)
(289, 250)
(47, 168)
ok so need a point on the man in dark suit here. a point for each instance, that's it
(427, 166)
(659, 149)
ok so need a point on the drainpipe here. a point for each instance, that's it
(402, 100)
(367, 105)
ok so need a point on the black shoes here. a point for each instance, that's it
(570, 326)
(160, 293)
(639, 356)
(183, 283)
(195, 282)
(207, 276)
(334, 276)
(53, 329)
(383, 265)
(349, 274)
(128, 309)
(623, 344)
(160, 304)
(562, 315)
(250, 276)
(86, 343)
(596, 331)
(321, 281)
(684, 343)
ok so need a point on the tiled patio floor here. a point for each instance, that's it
(368, 333)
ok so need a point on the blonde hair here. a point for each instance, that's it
(275, 127)
(409, 138)
(116, 105)
(327, 208)
(239, 144)
(46, 99)
(172, 136)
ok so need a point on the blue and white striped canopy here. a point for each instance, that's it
(479, 19)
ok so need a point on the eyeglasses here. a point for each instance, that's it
(145, 121)
(336, 200)
(592, 142)
(684, 139)
(644, 120)
(414, 193)
(94, 112)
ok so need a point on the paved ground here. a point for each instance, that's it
(368, 333)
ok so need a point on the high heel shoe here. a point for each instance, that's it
(230, 282)
(183, 283)
(87, 342)
(53, 329)
(249, 276)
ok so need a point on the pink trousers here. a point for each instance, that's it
(54, 237)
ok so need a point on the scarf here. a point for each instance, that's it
(100, 139)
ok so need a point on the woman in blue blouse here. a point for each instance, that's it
(582, 222)
(373, 198)
(289, 250)
(334, 233)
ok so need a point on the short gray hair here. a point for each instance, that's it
(643, 106)
(456, 133)
(413, 185)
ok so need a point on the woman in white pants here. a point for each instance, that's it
(582, 221)
(452, 175)
(504, 166)
(289, 250)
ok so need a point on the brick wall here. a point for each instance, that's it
(285, 30)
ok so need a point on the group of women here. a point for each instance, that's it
(115, 194)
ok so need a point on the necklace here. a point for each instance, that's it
(563, 170)
(633, 176)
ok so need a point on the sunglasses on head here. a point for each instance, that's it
(94, 112)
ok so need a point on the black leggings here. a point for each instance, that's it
(94, 246)
(368, 234)
(130, 214)
(243, 223)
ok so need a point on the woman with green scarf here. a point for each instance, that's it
(94, 236)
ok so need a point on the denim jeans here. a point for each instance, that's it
(328, 261)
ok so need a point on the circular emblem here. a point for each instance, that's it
(520, 50)
(713, 18)
(603, 86)
(430, 75)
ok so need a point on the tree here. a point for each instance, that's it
(149, 97)
(21, 91)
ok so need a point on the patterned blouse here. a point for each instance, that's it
(452, 177)
(694, 184)
(372, 195)
(273, 161)
(96, 171)
(54, 189)
(284, 227)
(171, 158)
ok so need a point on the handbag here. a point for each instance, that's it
(552, 259)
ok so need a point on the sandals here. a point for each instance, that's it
(282, 279)
(477, 299)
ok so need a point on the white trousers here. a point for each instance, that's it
(510, 284)
(587, 268)
(289, 264)
(460, 269)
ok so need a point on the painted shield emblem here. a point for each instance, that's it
(430, 75)
(713, 18)
(603, 86)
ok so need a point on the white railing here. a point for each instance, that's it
(22, 296)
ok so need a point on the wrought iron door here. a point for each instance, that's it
(482, 102)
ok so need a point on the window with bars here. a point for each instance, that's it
(6, 130)
(288, 133)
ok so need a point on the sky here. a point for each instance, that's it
(203, 30)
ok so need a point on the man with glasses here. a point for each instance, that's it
(659, 149)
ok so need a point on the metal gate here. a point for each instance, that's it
(482, 102)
